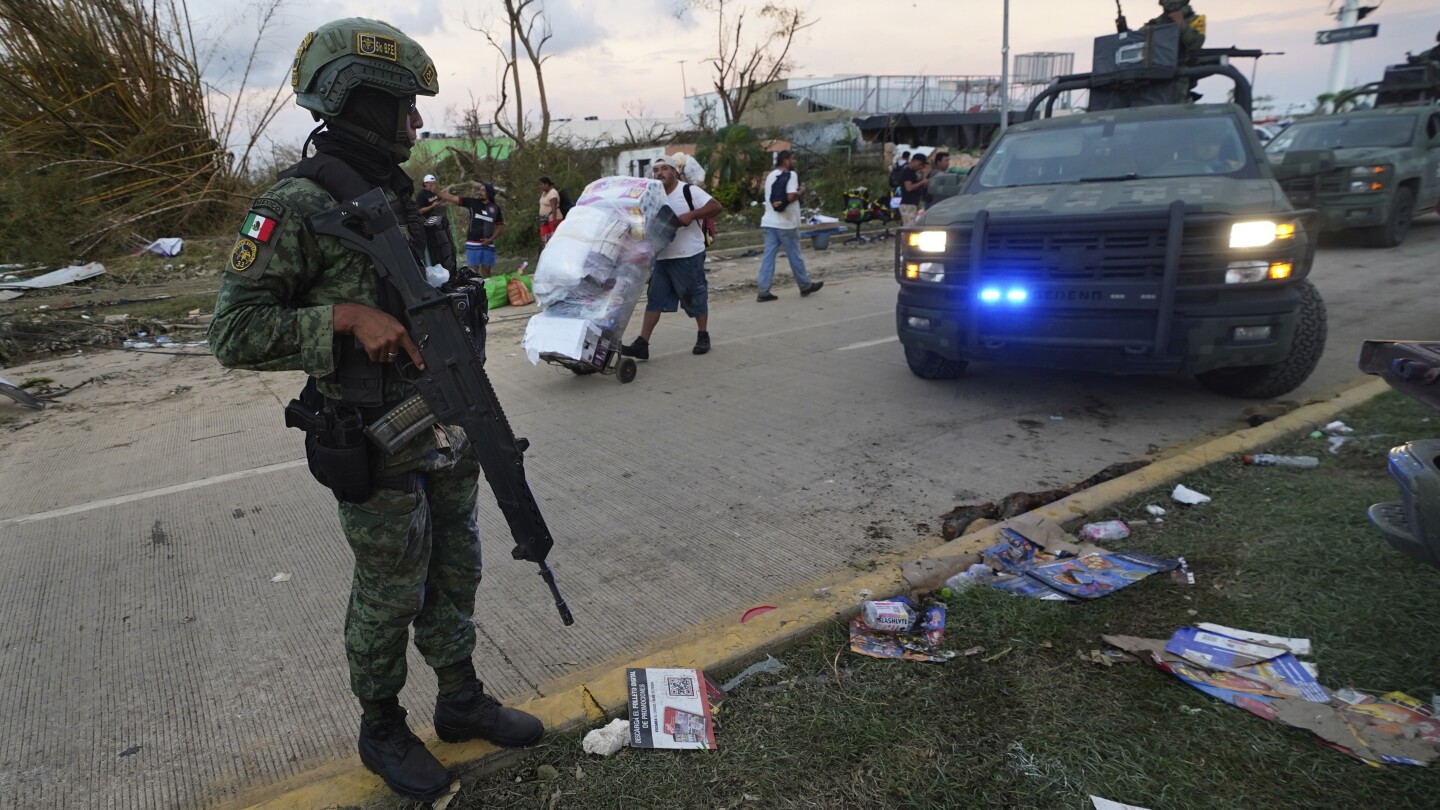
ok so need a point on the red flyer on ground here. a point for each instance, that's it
(672, 708)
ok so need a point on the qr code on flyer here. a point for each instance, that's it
(680, 687)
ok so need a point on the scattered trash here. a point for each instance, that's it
(131, 751)
(1271, 460)
(1267, 680)
(972, 651)
(1181, 575)
(1337, 429)
(888, 616)
(547, 772)
(1298, 646)
(672, 708)
(770, 664)
(607, 740)
(444, 801)
(57, 278)
(977, 574)
(1155, 511)
(1337, 442)
(756, 611)
(920, 641)
(822, 593)
(167, 247)
(1106, 804)
(1063, 575)
(1186, 495)
(1104, 530)
(280, 577)
(121, 318)
(20, 395)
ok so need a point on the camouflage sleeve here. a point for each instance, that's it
(1192, 36)
(262, 319)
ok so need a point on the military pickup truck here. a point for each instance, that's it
(1141, 238)
(1371, 170)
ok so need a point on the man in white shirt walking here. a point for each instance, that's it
(781, 226)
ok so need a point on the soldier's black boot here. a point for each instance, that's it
(389, 750)
(470, 713)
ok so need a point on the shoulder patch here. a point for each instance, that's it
(242, 257)
(259, 232)
(1198, 24)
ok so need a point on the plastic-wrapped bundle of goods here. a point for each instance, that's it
(596, 264)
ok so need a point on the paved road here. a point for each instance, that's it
(150, 662)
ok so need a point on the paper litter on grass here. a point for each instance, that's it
(1186, 495)
(921, 643)
(1299, 646)
(1106, 804)
(1393, 728)
(672, 708)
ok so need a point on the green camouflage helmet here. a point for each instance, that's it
(1172, 6)
(339, 56)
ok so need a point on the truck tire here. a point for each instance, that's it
(1268, 382)
(928, 365)
(1392, 232)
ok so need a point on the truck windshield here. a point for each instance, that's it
(1108, 151)
(1346, 133)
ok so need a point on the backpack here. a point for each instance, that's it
(707, 226)
(565, 204)
(779, 193)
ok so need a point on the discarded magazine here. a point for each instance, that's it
(672, 708)
(1263, 675)
(1062, 571)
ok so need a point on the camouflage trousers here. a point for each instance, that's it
(417, 562)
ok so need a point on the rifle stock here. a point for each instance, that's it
(453, 384)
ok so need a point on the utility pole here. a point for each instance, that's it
(1005, 69)
(1340, 61)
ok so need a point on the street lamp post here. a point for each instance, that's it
(1005, 71)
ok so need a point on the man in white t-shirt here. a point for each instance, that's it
(678, 279)
(781, 226)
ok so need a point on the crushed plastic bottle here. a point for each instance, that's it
(1270, 460)
(977, 574)
(1105, 530)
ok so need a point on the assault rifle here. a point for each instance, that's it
(453, 386)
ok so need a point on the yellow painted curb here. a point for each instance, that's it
(583, 699)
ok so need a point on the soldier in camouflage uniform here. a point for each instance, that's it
(1192, 37)
(293, 300)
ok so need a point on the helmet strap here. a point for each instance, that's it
(402, 153)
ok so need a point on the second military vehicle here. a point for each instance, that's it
(1139, 237)
(1368, 170)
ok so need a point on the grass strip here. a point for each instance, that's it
(1280, 550)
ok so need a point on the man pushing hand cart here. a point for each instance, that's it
(592, 273)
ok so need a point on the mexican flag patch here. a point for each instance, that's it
(258, 228)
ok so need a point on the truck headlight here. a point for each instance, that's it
(927, 241)
(925, 271)
(1249, 272)
(1259, 233)
(1364, 179)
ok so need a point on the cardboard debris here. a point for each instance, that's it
(1299, 646)
(57, 278)
(1393, 728)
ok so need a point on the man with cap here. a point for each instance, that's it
(439, 241)
(678, 279)
(292, 299)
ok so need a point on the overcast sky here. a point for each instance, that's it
(613, 58)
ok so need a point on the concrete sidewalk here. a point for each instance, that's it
(592, 697)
